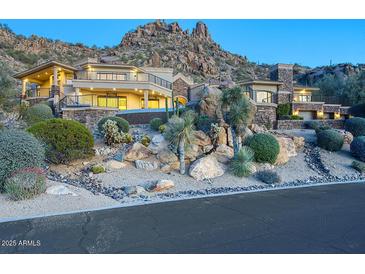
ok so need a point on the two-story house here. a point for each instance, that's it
(91, 83)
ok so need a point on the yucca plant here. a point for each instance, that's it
(242, 163)
(179, 132)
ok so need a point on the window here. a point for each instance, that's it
(111, 76)
(152, 103)
(304, 98)
(263, 97)
(112, 102)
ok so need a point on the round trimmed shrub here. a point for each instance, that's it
(25, 184)
(65, 140)
(18, 150)
(330, 139)
(321, 128)
(122, 124)
(265, 147)
(357, 148)
(356, 126)
(155, 123)
(37, 113)
(313, 124)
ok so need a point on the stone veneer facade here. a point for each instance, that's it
(297, 124)
(266, 115)
(181, 88)
(284, 74)
(88, 116)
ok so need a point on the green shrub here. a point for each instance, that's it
(122, 124)
(162, 128)
(330, 139)
(37, 113)
(127, 138)
(111, 133)
(242, 165)
(1, 126)
(18, 149)
(357, 148)
(283, 109)
(321, 128)
(146, 140)
(268, 177)
(312, 124)
(203, 123)
(97, 169)
(265, 147)
(285, 117)
(359, 166)
(25, 184)
(155, 123)
(296, 117)
(65, 140)
(356, 126)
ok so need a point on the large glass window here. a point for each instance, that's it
(152, 103)
(112, 102)
(263, 97)
(304, 98)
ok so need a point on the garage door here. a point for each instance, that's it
(307, 115)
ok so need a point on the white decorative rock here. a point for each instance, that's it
(60, 190)
(113, 164)
(146, 165)
(206, 168)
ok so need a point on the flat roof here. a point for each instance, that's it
(304, 87)
(261, 82)
(41, 67)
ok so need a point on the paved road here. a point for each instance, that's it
(326, 219)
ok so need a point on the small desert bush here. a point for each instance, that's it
(97, 169)
(268, 177)
(283, 109)
(37, 113)
(330, 139)
(155, 123)
(312, 124)
(296, 117)
(25, 184)
(146, 140)
(321, 128)
(203, 123)
(356, 126)
(122, 124)
(162, 128)
(65, 140)
(242, 163)
(359, 166)
(265, 147)
(111, 133)
(127, 138)
(357, 148)
(18, 150)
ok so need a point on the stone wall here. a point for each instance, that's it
(88, 116)
(283, 73)
(307, 106)
(297, 124)
(136, 118)
(266, 115)
(331, 108)
(181, 88)
(283, 98)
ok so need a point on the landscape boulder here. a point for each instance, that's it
(137, 151)
(283, 156)
(255, 128)
(210, 103)
(158, 186)
(60, 190)
(146, 165)
(192, 152)
(114, 164)
(201, 139)
(158, 143)
(222, 136)
(298, 143)
(223, 153)
(229, 137)
(207, 167)
(347, 137)
(166, 156)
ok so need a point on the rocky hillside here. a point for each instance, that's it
(155, 44)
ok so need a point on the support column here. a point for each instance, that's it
(146, 99)
(24, 88)
(55, 80)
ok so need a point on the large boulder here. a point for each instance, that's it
(222, 136)
(245, 132)
(223, 153)
(229, 137)
(146, 165)
(255, 128)
(158, 143)
(160, 185)
(210, 103)
(347, 137)
(166, 156)
(201, 139)
(206, 168)
(298, 143)
(193, 151)
(283, 156)
(137, 151)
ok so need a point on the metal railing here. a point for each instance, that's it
(94, 100)
(123, 76)
(39, 92)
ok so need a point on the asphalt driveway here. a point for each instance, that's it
(325, 219)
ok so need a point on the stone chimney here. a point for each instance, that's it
(283, 73)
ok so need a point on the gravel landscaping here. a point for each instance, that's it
(127, 184)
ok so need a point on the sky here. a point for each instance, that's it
(306, 42)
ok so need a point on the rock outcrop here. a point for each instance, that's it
(206, 168)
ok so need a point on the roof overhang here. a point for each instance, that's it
(261, 82)
(299, 88)
(42, 67)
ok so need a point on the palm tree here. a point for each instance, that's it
(239, 112)
(179, 132)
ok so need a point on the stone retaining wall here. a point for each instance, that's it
(265, 115)
(296, 124)
(143, 117)
(88, 116)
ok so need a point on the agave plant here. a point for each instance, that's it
(179, 132)
(242, 163)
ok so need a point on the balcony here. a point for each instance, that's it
(113, 76)
(93, 100)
